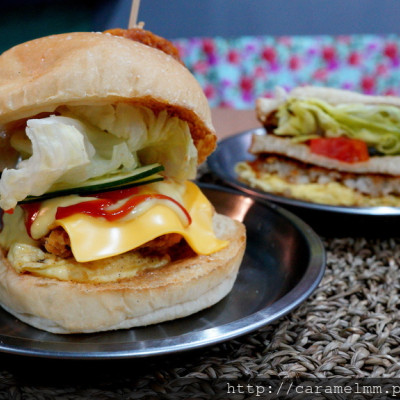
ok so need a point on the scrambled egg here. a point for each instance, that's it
(332, 193)
(31, 259)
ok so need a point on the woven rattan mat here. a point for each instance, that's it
(349, 327)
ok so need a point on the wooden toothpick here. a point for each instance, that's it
(134, 14)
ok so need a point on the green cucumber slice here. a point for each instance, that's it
(139, 176)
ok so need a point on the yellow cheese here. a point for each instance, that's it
(45, 219)
(95, 238)
(14, 230)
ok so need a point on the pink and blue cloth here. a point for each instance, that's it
(234, 72)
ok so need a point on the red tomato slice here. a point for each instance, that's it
(340, 148)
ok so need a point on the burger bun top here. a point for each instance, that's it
(86, 68)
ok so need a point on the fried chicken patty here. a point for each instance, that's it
(57, 242)
(149, 39)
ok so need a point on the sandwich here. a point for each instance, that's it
(103, 227)
(327, 146)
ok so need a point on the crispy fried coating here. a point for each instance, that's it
(204, 142)
(161, 244)
(171, 244)
(148, 38)
(57, 242)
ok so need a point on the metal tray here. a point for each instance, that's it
(326, 219)
(283, 264)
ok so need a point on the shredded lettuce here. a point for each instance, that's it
(93, 142)
(377, 125)
(51, 159)
(157, 138)
(81, 152)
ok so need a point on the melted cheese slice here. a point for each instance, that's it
(95, 238)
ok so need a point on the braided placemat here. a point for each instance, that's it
(348, 328)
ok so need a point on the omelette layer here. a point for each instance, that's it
(330, 193)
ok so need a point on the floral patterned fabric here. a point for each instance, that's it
(234, 72)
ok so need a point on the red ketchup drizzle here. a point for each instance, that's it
(98, 208)
(31, 212)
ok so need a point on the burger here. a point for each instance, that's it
(103, 227)
(328, 146)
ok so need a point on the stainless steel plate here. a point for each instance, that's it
(234, 149)
(283, 264)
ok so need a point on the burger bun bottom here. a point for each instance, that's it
(177, 290)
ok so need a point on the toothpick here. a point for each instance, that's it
(134, 14)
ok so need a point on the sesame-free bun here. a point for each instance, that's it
(98, 68)
(173, 291)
